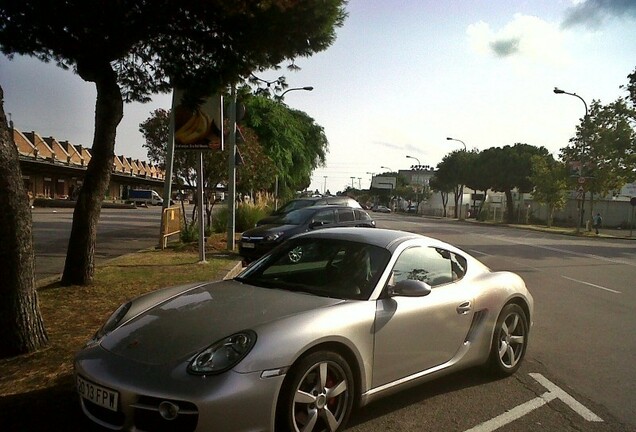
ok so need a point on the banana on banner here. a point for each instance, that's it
(198, 123)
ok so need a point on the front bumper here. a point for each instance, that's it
(216, 402)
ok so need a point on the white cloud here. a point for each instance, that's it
(526, 37)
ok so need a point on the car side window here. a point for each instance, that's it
(433, 266)
(325, 216)
(345, 215)
(361, 215)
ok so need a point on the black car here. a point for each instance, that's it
(299, 203)
(258, 241)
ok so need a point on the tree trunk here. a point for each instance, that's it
(456, 193)
(510, 208)
(444, 202)
(20, 319)
(79, 268)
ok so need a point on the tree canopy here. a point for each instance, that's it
(132, 49)
(273, 140)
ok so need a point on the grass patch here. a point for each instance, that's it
(37, 390)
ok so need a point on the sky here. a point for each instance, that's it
(400, 78)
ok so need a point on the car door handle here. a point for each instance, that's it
(464, 308)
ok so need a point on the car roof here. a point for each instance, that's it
(325, 198)
(385, 238)
(329, 206)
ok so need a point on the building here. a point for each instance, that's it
(55, 169)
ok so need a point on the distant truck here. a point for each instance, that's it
(145, 197)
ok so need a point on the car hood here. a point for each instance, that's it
(181, 326)
(264, 230)
(270, 219)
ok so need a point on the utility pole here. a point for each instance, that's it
(324, 189)
(352, 178)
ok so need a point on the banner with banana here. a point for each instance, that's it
(198, 123)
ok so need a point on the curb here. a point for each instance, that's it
(238, 267)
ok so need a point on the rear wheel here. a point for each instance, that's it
(318, 396)
(509, 341)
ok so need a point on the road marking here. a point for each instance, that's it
(560, 250)
(591, 284)
(565, 277)
(517, 412)
(566, 398)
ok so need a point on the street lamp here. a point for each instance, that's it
(413, 157)
(579, 219)
(453, 139)
(307, 88)
(387, 168)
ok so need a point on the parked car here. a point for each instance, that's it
(330, 320)
(257, 241)
(381, 209)
(299, 203)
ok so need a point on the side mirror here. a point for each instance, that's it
(410, 288)
(316, 224)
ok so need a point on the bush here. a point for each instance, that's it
(247, 214)
(190, 233)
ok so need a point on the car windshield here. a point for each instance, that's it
(294, 205)
(323, 267)
(296, 217)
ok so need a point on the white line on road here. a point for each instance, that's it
(513, 414)
(591, 284)
(566, 398)
(565, 277)
(517, 412)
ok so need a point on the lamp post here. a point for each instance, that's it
(461, 195)
(387, 168)
(579, 219)
(306, 88)
(413, 157)
(458, 140)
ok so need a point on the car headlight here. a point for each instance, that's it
(112, 322)
(273, 237)
(224, 354)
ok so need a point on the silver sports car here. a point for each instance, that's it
(327, 320)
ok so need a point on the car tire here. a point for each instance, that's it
(318, 394)
(509, 341)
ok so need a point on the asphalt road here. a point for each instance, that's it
(579, 370)
(119, 231)
(585, 298)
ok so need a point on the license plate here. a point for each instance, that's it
(247, 245)
(97, 394)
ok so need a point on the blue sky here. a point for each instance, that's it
(400, 78)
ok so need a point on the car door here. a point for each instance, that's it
(414, 334)
(346, 217)
(323, 218)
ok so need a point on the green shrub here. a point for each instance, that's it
(190, 233)
(247, 215)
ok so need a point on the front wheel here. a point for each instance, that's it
(509, 340)
(318, 396)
